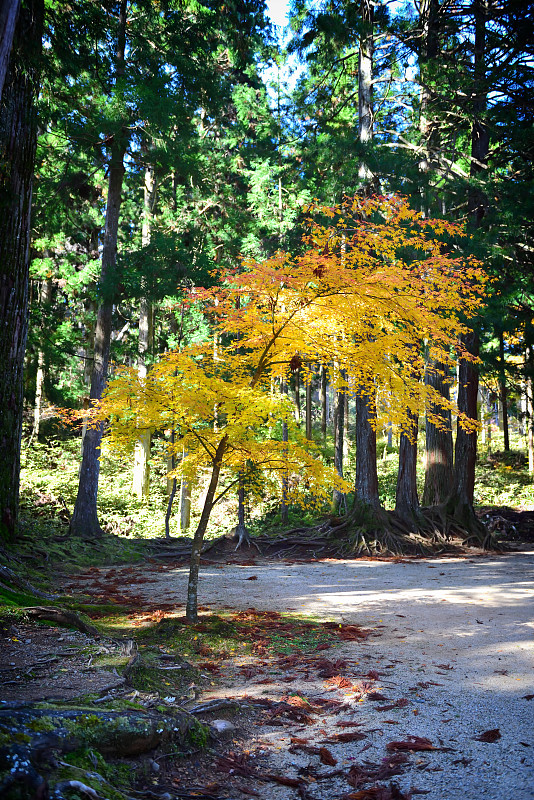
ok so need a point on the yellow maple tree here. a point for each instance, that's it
(375, 280)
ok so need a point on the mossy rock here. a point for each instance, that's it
(124, 733)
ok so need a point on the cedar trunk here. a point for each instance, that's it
(84, 520)
(9, 10)
(504, 392)
(365, 83)
(366, 485)
(461, 501)
(407, 501)
(141, 472)
(18, 136)
(439, 448)
(339, 417)
(465, 453)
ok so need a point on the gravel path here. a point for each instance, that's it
(466, 625)
(453, 639)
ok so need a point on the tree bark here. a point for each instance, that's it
(365, 84)
(9, 11)
(298, 415)
(84, 520)
(366, 485)
(461, 502)
(504, 392)
(18, 137)
(428, 54)
(465, 452)
(45, 296)
(407, 500)
(309, 431)
(323, 401)
(191, 612)
(141, 473)
(439, 447)
(185, 504)
(284, 510)
(529, 388)
(337, 496)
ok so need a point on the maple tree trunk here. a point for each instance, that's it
(191, 612)
(18, 138)
(366, 485)
(84, 520)
(439, 447)
(9, 10)
(407, 500)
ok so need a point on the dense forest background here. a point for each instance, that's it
(161, 142)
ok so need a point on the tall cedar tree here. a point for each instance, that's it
(18, 135)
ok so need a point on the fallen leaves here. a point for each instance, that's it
(326, 757)
(492, 735)
(337, 682)
(391, 792)
(413, 743)
(351, 736)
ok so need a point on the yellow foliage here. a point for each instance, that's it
(374, 283)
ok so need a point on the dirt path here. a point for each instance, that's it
(451, 657)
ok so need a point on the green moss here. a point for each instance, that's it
(199, 736)
(42, 724)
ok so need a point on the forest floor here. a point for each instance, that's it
(327, 678)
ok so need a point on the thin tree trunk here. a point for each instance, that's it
(284, 510)
(365, 84)
(338, 497)
(407, 500)
(324, 408)
(185, 502)
(309, 430)
(504, 393)
(439, 468)
(18, 136)
(191, 612)
(141, 473)
(346, 429)
(9, 11)
(366, 485)
(298, 415)
(529, 388)
(241, 530)
(84, 520)
(45, 296)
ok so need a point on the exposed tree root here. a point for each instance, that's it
(370, 532)
(63, 617)
(11, 578)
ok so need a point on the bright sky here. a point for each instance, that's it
(277, 10)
